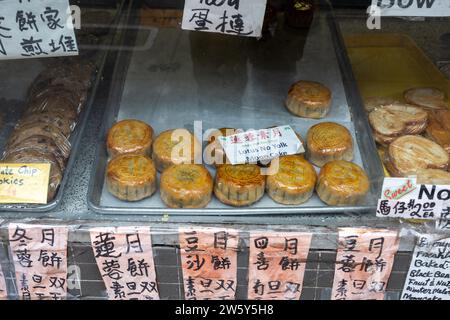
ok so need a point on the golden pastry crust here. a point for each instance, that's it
(186, 186)
(438, 128)
(131, 177)
(342, 183)
(426, 97)
(433, 176)
(239, 185)
(328, 141)
(372, 103)
(294, 182)
(214, 153)
(129, 136)
(177, 146)
(309, 99)
(409, 154)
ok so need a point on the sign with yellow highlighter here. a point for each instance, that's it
(24, 182)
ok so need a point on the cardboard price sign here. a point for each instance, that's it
(24, 183)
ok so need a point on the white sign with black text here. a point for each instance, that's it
(232, 17)
(413, 8)
(36, 29)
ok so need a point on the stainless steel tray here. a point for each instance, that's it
(231, 82)
(14, 94)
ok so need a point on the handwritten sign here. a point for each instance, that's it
(277, 265)
(36, 29)
(232, 17)
(124, 257)
(364, 263)
(24, 183)
(209, 263)
(261, 145)
(414, 8)
(39, 254)
(429, 273)
(3, 292)
(443, 223)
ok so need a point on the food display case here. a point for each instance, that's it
(156, 76)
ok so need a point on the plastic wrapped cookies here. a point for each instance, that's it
(130, 136)
(309, 99)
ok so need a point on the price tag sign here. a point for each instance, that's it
(36, 29)
(24, 183)
(261, 145)
(232, 17)
(413, 8)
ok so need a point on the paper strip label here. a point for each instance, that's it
(3, 291)
(261, 145)
(231, 17)
(277, 265)
(413, 8)
(36, 29)
(39, 253)
(429, 273)
(363, 263)
(209, 263)
(124, 257)
(24, 183)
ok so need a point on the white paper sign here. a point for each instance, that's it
(261, 145)
(413, 8)
(36, 29)
(232, 17)
(428, 277)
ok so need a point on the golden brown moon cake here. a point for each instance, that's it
(186, 186)
(328, 141)
(309, 99)
(294, 181)
(214, 153)
(342, 183)
(239, 185)
(433, 176)
(131, 177)
(129, 136)
(409, 154)
(177, 146)
(426, 97)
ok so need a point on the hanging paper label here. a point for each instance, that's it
(413, 8)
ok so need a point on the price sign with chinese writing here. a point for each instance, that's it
(36, 29)
(428, 277)
(261, 145)
(277, 265)
(209, 263)
(39, 253)
(3, 292)
(232, 17)
(24, 183)
(363, 263)
(125, 259)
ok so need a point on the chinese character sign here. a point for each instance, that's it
(3, 292)
(232, 17)
(124, 257)
(36, 29)
(209, 263)
(364, 263)
(39, 254)
(277, 265)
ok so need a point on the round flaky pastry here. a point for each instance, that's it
(433, 176)
(342, 183)
(186, 186)
(432, 98)
(239, 185)
(309, 99)
(294, 182)
(131, 177)
(129, 136)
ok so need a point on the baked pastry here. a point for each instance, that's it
(59, 120)
(438, 128)
(294, 181)
(214, 153)
(186, 186)
(309, 99)
(239, 185)
(391, 121)
(131, 177)
(328, 141)
(177, 146)
(371, 103)
(432, 98)
(129, 136)
(409, 154)
(433, 176)
(342, 183)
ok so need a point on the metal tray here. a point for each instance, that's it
(14, 94)
(228, 81)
